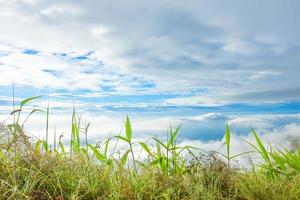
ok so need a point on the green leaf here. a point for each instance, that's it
(160, 142)
(75, 138)
(128, 129)
(37, 147)
(156, 161)
(261, 147)
(187, 147)
(163, 164)
(173, 135)
(158, 151)
(106, 146)
(141, 164)
(227, 139)
(97, 153)
(122, 138)
(45, 146)
(240, 154)
(109, 162)
(25, 101)
(62, 148)
(146, 148)
(124, 157)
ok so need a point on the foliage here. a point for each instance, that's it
(81, 170)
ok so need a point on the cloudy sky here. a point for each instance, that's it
(202, 63)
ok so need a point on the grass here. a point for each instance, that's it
(42, 169)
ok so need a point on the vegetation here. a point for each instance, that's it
(42, 169)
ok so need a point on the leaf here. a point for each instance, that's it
(263, 150)
(124, 157)
(141, 164)
(278, 158)
(156, 161)
(227, 139)
(158, 151)
(160, 142)
(75, 139)
(45, 145)
(25, 101)
(173, 135)
(146, 148)
(106, 146)
(37, 147)
(62, 148)
(97, 153)
(84, 151)
(255, 147)
(163, 164)
(122, 138)
(240, 154)
(187, 147)
(128, 129)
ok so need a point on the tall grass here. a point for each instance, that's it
(39, 169)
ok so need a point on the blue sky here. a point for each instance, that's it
(200, 62)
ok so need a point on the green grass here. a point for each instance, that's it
(42, 169)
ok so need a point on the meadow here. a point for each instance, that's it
(49, 169)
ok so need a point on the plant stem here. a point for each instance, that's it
(132, 154)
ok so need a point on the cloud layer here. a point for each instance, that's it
(207, 51)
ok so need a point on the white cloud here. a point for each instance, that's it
(251, 121)
(56, 12)
(209, 116)
(144, 127)
(194, 100)
(179, 50)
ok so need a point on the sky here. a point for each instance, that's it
(203, 63)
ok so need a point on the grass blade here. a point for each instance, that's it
(128, 129)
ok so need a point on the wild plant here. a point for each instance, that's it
(128, 140)
(102, 157)
(168, 155)
(268, 164)
(16, 128)
(227, 143)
